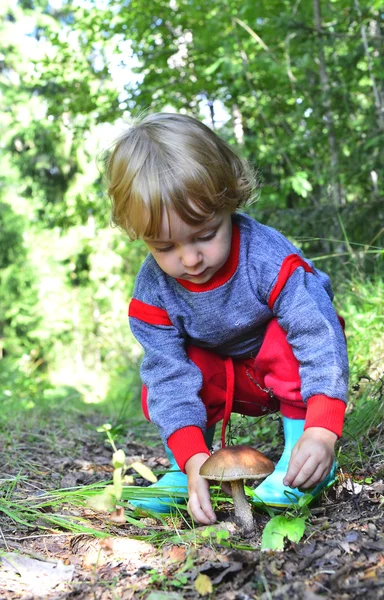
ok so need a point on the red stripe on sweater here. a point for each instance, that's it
(147, 313)
(290, 264)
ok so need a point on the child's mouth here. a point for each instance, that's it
(197, 275)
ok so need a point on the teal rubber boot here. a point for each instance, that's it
(175, 480)
(272, 491)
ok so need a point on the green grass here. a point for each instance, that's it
(52, 511)
(361, 303)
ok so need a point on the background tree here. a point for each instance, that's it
(297, 88)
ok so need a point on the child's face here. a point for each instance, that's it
(192, 253)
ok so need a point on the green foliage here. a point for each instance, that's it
(22, 387)
(11, 241)
(215, 536)
(291, 525)
(314, 137)
(18, 288)
(279, 528)
(43, 159)
(361, 436)
(306, 131)
(106, 501)
(70, 76)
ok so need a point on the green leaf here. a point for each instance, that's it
(279, 528)
(104, 502)
(301, 185)
(222, 534)
(118, 459)
(117, 483)
(305, 500)
(144, 471)
(214, 66)
(208, 531)
(105, 427)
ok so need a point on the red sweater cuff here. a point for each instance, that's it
(187, 442)
(326, 412)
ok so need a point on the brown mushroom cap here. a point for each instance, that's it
(236, 462)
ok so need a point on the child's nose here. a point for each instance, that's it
(190, 257)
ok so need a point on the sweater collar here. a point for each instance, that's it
(225, 273)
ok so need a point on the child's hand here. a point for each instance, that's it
(311, 459)
(199, 503)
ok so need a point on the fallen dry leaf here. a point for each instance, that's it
(37, 575)
(372, 571)
(203, 585)
(175, 553)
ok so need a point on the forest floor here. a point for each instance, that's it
(341, 555)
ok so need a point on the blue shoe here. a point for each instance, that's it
(272, 491)
(175, 480)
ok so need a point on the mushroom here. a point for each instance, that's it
(235, 464)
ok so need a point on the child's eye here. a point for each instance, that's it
(167, 249)
(206, 238)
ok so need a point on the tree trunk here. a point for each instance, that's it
(327, 106)
(238, 124)
(376, 93)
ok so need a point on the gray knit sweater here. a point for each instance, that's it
(265, 277)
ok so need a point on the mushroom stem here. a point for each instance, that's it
(242, 508)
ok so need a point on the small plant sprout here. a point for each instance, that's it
(112, 493)
(235, 464)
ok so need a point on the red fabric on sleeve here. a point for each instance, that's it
(289, 265)
(185, 443)
(326, 412)
(147, 313)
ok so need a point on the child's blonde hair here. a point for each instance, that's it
(174, 162)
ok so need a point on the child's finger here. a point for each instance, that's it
(204, 499)
(314, 479)
(206, 506)
(198, 513)
(306, 471)
(295, 465)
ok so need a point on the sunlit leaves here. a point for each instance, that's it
(300, 183)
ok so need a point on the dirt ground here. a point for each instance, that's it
(341, 555)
